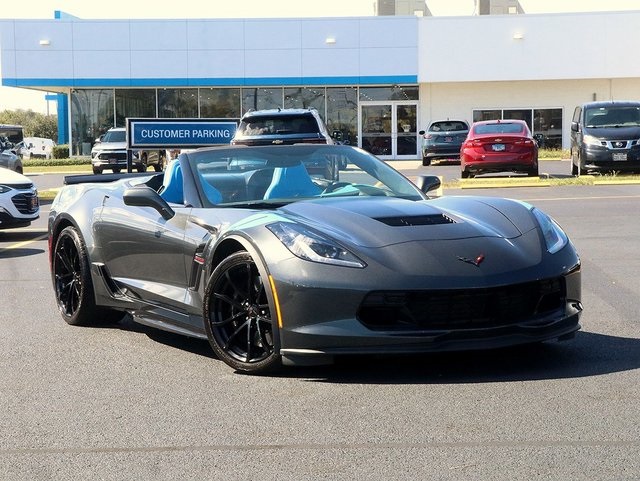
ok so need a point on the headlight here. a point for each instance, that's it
(591, 140)
(4, 189)
(313, 246)
(554, 236)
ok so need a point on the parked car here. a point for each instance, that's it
(110, 153)
(19, 204)
(38, 147)
(283, 127)
(443, 140)
(8, 158)
(499, 146)
(605, 137)
(240, 246)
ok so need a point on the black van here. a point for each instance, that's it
(605, 137)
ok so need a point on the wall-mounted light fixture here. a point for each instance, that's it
(330, 40)
(518, 36)
(45, 42)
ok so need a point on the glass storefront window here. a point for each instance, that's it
(139, 103)
(480, 115)
(395, 92)
(548, 122)
(261, 98)
(519, 114)
(220, 103)
(178, 103)
(305, 98)
(342, 114)
(92, 114)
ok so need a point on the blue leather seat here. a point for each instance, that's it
(291, 181)
(172, 189)
(213, 195)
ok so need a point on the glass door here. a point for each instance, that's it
(375, 130)
(406, 144)
(388, 129)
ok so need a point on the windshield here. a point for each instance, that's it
(448, 126)
(115, 136)
(278, 124)
(499, 128)
(11, 135)
(282, 174)
(614, 116)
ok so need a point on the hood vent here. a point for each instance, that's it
(415, 220)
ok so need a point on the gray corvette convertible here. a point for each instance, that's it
(269, 256)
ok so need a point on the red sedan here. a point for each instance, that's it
(499, 146)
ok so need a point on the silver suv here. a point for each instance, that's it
(110, 153)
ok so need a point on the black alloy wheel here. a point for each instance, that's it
(238, 317)
(72, 282)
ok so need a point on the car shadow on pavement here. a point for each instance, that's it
(184, 343)
(12, 241)
(589, 354)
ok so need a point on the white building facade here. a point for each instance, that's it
(376, 80)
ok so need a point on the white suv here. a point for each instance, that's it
(110, 153)
(18, 200)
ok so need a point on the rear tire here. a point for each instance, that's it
(465, 174)
(426, 161)
(533, 172)
(72, 283)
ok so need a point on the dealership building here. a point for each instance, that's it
(377, 80)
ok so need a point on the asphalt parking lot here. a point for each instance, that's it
(126, 402)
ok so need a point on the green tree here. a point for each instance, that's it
(33, 123)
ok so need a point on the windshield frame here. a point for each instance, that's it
(240, 172)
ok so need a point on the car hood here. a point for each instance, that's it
(109, 146)
(378, 222)
(11, 178)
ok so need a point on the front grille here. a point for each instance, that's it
(113, 155)
(26, 203)
(457, 309)
(25, 186)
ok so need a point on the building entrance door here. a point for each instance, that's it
(388, 129)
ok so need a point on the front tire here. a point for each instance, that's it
(238, 316)
(426, 161)
(72, 283)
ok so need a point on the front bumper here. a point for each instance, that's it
(601, 158)
(19, 207)
(314, 326)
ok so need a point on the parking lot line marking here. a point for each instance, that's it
(23, 243)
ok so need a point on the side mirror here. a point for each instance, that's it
(427, 183)
(574, 127)
(144, 196)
